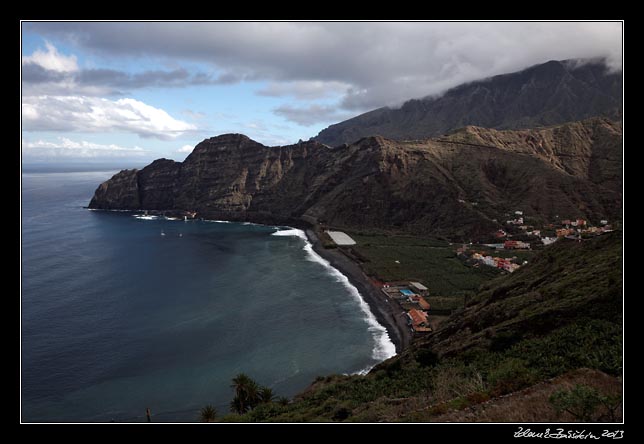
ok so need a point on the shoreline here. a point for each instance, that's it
(387, 313)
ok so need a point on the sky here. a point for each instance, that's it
(137, 91)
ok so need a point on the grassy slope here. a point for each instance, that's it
(560, 313)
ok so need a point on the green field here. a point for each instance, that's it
(432, 262)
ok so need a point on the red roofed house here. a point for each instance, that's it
(419, 320)
(509, 244)
(502, 263)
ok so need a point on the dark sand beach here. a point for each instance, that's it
(387, 312)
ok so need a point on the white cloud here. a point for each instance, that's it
(93, 114)
(383, 63)
(65, 147)
(312, 114)
(185, 149)
(304, 90)
(52, 59)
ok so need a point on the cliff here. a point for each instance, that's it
(453, 186)
(547, 94)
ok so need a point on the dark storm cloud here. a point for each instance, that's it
(33, 73)
(112, 81)
(381, 63)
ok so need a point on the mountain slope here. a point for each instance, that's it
(551, 93)
(559, 317)
(453, 187)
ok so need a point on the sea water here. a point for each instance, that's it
(121, 312)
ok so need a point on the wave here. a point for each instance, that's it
(384, 348)
(145, 217)
(218, 221)
(293, 232)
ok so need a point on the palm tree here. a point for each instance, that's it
(246, 393)
(208, 414)
(266, 395)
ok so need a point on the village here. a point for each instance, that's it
(513, 245)
(520, 236)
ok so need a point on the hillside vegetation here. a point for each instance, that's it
(537, 334)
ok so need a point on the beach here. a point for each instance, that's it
(388, 313)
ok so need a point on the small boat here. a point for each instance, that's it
(162, 233)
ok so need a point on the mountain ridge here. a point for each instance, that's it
(551, 93)
(453, 186)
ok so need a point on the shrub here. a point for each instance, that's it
(426, 358)
(511, 375)
(341, 412)
(503, 341)
(208, 414)
(581, 402)
(584, 402)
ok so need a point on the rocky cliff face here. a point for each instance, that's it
(546, 94)
(453, 186)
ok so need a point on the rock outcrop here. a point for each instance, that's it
(453, 186)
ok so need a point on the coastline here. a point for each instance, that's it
(388, 314)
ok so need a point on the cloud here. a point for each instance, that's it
(304, 90)
(52, 60)
(52, 73)
(92, 114)
(185, 149)
(65, 147)
(310, 115)
(382, 63)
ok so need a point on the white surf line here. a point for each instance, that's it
(384, 348)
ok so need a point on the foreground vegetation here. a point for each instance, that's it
(554, 324)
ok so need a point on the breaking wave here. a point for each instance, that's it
(384, 348)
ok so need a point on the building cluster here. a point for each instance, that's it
(566, 228)
(412, 297)
(497, 262)
(515, 245)
(580, 226)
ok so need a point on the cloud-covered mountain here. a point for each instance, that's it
(546, 94)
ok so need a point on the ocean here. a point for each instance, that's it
(122, 312)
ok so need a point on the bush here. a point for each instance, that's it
(511, 375)
(426, 358)
(584, 403)
(503, 341)
(208, 414)
(341, 412)
(581, 402)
